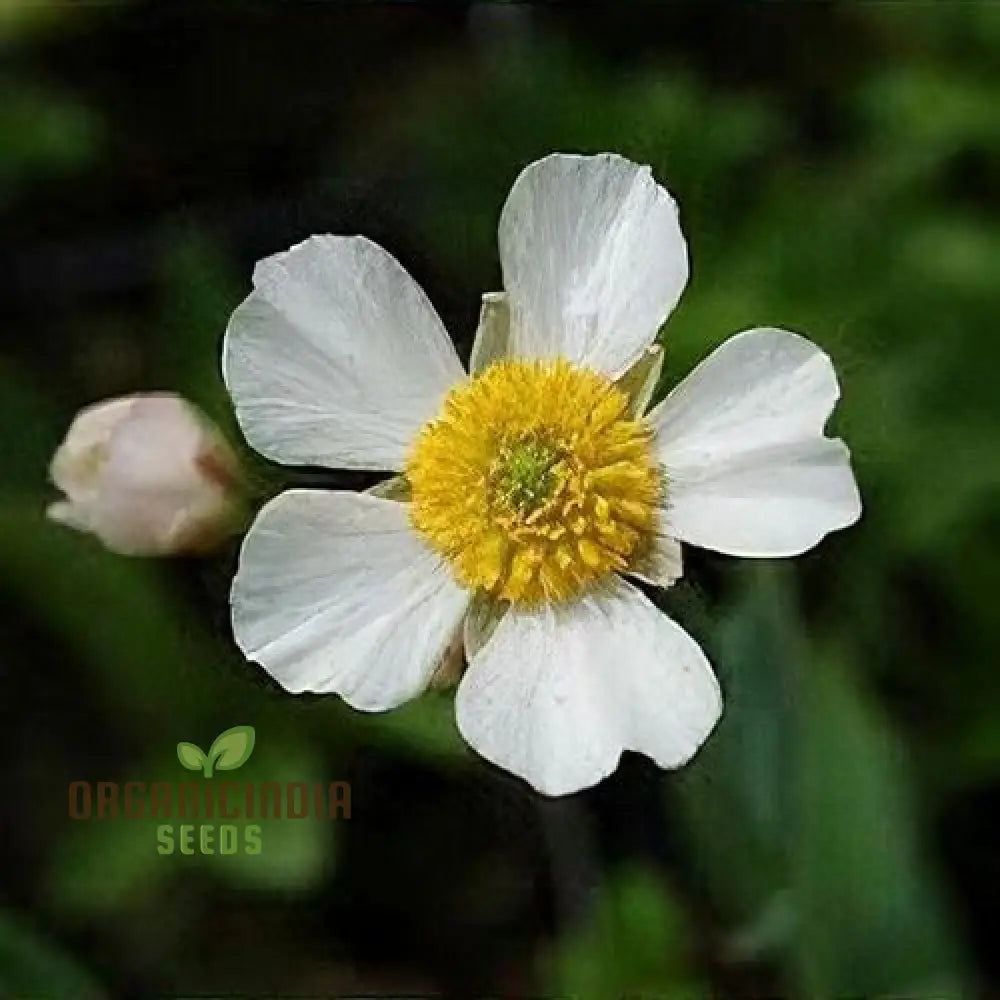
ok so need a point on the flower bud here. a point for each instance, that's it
(148, 475)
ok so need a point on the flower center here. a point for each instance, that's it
(523, 475)
(533, 481)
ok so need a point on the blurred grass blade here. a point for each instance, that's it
(801, 820)
(872, 920)
(634, 944)
(745, 770)
(114, 611)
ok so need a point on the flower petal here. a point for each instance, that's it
(551, 698)
(748, 469)
(337, 357)
(335, 592)
(593, 260)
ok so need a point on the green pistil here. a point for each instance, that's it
(525, 477)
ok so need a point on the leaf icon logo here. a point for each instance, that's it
(230, 750)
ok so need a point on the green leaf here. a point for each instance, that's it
(232, 748)
(28, 452)
(634, 943)
(806, 832)
(31, 967)
(295, 854)
(746, 767)
(67, 581)
(873, 920)
(426, 726)
(198, 287)
(105, 867)
(191, 756)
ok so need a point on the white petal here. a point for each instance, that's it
(492, 333)
(749, 471)
(336, 592)
(552, 698)
(593, 260)
(337, 357)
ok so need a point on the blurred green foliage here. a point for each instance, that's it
(838, 172)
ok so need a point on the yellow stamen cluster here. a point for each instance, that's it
(533, 481)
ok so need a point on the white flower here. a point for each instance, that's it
(148, 475)
(532, 489)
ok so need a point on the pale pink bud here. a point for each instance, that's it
(148, 475)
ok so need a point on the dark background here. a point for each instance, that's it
(838, 172)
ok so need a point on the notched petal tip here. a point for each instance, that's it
(749, 468)
(551, 699)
